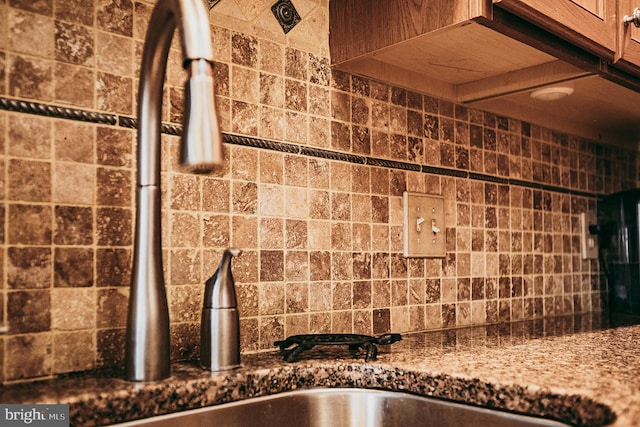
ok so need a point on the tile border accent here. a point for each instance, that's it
(166, 128)
(436, 170)
(332, 155)
(55, 111)
(393, 164)
(490, 178)
(265, 144)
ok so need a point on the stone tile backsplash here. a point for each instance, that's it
(311, 191)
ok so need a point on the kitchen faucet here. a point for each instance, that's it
(147, 345)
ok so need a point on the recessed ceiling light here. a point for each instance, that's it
(552, 93)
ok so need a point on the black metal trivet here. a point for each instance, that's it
(296, 344)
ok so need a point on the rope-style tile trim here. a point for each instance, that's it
(56, 111)
(333, 155)
(169, 129)
(261, 143)
(127, 122)
(489, 178)
(394, 164)
(445, 172)
(526, 184)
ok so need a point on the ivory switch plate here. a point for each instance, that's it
(588, 241)
(424, 228)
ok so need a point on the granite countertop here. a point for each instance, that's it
(577, 370)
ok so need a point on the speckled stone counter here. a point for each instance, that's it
(570, 369)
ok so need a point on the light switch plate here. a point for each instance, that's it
(588, 241)
(424, 227)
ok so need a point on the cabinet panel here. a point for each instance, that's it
(594, 6)
(360, 27)
(629, 38)
(590, 24)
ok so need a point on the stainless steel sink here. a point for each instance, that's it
(343, 408)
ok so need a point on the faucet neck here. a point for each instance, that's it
(147, 345)
(191, 19)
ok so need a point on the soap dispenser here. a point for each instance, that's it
(220, 328)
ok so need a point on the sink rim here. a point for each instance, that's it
(325, 391)
(191, 388)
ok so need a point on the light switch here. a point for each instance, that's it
(588, 241)
(424, 228)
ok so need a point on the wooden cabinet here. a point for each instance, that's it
(448, 48)
(596, 26)
(491, 54)
(589, 24)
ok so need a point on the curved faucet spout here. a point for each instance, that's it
(147, 346)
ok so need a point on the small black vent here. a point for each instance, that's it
(286, 14)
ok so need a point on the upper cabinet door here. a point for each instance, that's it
(629, 38)
(590, 24)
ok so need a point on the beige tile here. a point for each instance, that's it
(400, 319)
(271, 57)
(74, 183)
(272, 329)
(244, 163)
(185, 266)
(112, 307)
(74, 85)
(271, 167)
(297, 297)
(296, 266)
(320, 323)
(245, 85)
(271, 200)
(244, 197)
(296, 324)
(80, 315)
(29, 356)
(319, 173)
(342, 322)
(29, 180)
(433, 316)
(185, 303)
(29, 136)
(249, 334)
(73, 351)
(272, 123)
(185, 229)
(30, 34)
(296, 127)
(244, 232)
(320, 296)
(114, 93)
(271, 297)
(340, 177)
(296, 202)
(295, 171)
(319, 235)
